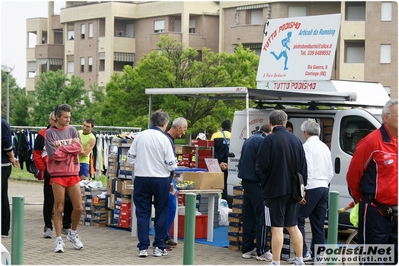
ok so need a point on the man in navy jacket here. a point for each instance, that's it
(276, 182)
(253, 211)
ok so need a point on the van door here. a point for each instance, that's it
(350, 126)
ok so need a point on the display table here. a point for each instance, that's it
(211, 209)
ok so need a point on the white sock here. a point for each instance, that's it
(275, 262)
(73, 232)
(59, 238)
(300, 259)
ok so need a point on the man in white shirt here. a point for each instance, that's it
(320, 173)
(153, 159)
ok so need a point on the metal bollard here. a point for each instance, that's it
(189, 230)
(332, 235)
(17, 235)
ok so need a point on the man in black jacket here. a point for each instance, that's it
(7, 159)
(253, 210)
(276, 183)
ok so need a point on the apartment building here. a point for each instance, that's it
(95, 39)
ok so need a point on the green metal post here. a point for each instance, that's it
(189, 230)
(17, 234)
(332, 235)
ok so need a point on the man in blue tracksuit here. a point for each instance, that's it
(253, 211)
(178, 129)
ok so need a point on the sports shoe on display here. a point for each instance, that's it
(77, 244)
(47, 232)
(267, 256)
(273, 263)
(250, 254)
(65, 231)
(143, 253)
(159, 252)
(169, 241)
(59, 246)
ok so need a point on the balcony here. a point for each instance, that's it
(246, 33)
(125, 45)
(30, 54)
(197, 41)
(155, 38)
(49, 51)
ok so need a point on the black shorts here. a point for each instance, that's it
(283, 211)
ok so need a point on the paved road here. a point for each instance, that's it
(102, 245)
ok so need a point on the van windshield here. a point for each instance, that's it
(378, 117)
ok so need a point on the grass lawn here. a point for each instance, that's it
(21, 174)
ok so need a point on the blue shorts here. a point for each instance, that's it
(84, 169)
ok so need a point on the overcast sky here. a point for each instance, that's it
(13, 32)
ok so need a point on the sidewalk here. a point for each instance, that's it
(102, 245)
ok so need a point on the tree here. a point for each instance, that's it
(52, 89)
(173, 66)
(18, 102)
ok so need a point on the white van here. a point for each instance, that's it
(341, 129)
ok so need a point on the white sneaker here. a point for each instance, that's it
(77, 244)
(47, 232)
(267, 256)
(143, 253)
(250, 254)
(59, 246)
(307, 256)
(292, 260)
(65, 231)
(159, 252)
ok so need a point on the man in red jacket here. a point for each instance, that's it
(373, 180)
(40, 160)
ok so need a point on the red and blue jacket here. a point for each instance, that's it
(374, 168)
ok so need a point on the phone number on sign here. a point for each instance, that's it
(318, 52)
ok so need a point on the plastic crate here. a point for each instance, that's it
(201, 226)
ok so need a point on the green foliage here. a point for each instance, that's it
(175, 66)
(52, 89)
(18, 102)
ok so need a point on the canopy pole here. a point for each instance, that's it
(149, 111)
(247, 111)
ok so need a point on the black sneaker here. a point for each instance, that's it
(168, 241)
(167, 247)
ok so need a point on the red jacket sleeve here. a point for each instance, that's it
(61, 154)
(38, 160)
(356, 169)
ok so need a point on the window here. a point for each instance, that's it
(71, 67)
(191, 27)
(388, 90)
(386, 11)
(159, 25)
(256, 17)
(90, 63)
(82, 30)
(352, 130)
(296, 11)
(71, 33)
(354, 52)
(90, 30)
(385, 54)
(82, 64)
(355, 11)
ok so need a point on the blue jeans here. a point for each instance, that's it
(316, 209)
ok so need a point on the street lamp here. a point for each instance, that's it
(8, 67)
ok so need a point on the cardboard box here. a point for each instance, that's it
(205, 180)
(125, 187)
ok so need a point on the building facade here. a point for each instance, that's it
(93, 40)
